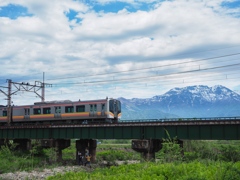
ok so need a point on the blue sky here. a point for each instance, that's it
(127, 48)
(231, 4)
(13, 11)
(116, 6)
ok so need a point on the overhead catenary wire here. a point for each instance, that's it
(148, 77)
(133, 87)
(171, 79)
(157, 78)
(168, 76)
(85, 82)
(147, 68)
(176, 56)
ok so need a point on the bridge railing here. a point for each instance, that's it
(179, 119)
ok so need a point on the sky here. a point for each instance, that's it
(93, 49)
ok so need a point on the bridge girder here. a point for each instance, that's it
(211, 131)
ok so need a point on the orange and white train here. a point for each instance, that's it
(102, 110)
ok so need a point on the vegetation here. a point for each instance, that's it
(15, 160)
(37, 158)
(115, 141)
(228, 151)
(198, 160)
(120, 155)
(148, 170)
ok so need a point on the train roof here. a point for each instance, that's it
(68, 101)
(53, 102)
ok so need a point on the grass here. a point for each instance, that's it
(186, 171)
(38, 158)
(115, 150)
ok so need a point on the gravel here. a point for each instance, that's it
(43, 174)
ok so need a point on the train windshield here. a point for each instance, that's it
(115, 106)
(118, 107)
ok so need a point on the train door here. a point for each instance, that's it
(93, 110)
(102, 109)
(26, 113)
(57, 112)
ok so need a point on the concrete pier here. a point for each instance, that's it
(147, 147)
(59, 144)
(2, 142)
(22, 144)
(86, 146)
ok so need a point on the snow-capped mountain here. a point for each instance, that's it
(187, 102)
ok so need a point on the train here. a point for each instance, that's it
(106, 110)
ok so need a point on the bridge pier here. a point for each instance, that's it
(59, 144)
(22, 144)
(2, 142)
(147, 147)
(85, 146)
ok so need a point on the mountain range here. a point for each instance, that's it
(188, 102)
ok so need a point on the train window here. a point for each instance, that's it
(68, 109)
(111, 106)
(80, 108)
(103, 107)
(37, 111)
(119, 106)
(47, 110)
(91, 107)
(95, 107)
(115, 106)
(58, 109)
(4, 113)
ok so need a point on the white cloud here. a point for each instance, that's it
(109, 42)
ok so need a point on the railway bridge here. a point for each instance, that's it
(146, 135)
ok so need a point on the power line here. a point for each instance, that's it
(169, 76)
(176, 56)
(165, 83)
(153, 76)
(141, 69)
(175, 77)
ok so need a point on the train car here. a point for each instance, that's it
(103, 110)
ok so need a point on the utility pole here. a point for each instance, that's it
(42, 85)
(43, 89)
(9, 99)
(23, 87)
(9, 109)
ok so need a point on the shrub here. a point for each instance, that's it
(171, 150)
